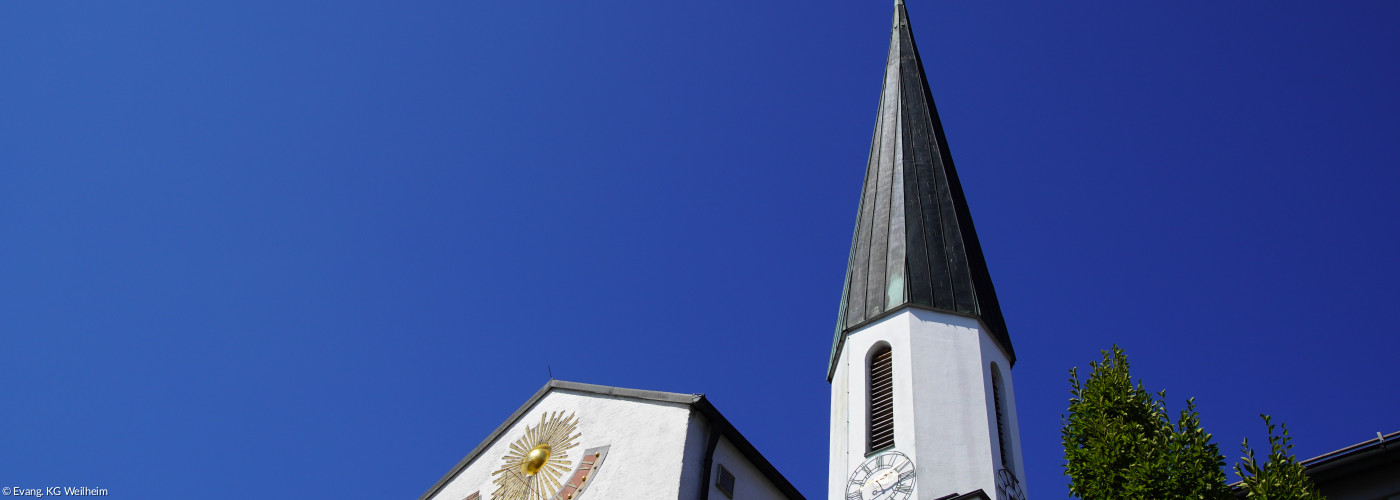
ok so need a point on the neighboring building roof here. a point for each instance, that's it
(1334, 466)
(914, 244)
(1353, 462)
(697, 402)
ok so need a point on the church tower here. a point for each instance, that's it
(922, 401)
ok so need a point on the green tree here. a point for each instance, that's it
(1120, 443)
(1282, 477)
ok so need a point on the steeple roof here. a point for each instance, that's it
(914, 243)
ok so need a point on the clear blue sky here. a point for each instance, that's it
(320, 250)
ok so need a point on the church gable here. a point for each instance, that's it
(576, 441)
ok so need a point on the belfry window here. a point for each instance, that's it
(997, 394)
(881, 416)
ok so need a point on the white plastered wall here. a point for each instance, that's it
(992, 354)
(697, 436)
(848, 429)
(749, 482)
(840, 448)
(647, 440)
(947, 430)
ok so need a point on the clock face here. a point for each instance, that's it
(1008, 488)
(887, 476)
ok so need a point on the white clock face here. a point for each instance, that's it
(887, 476)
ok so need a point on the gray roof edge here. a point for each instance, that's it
(501, 429)
(1343, 456)
(1337, 458)
(751, 453)
(974, 495)
(978, 493)
(661, 396)
(603, 390)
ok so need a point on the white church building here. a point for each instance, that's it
(922, 401)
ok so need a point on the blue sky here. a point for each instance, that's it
(294, 249)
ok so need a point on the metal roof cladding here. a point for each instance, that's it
(914, 243)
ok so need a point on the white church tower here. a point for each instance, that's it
(922, 401)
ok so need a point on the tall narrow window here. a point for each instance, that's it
(881, 417)
(1001, 419)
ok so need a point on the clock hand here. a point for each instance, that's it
(894, 484)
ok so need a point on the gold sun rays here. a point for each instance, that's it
(554, 434)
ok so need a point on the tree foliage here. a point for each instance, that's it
(1120, 442)
(1282, 477)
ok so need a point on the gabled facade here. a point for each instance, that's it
(575, 441)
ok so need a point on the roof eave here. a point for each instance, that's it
(697, 402)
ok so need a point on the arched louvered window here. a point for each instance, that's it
(881, 416)
(1002, 432)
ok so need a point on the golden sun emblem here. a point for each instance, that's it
(532, 467)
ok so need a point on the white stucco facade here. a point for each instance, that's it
(944, 414)
(749, 482)
(634, 426)
(657, 448)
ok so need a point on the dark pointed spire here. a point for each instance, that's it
(914, 243)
